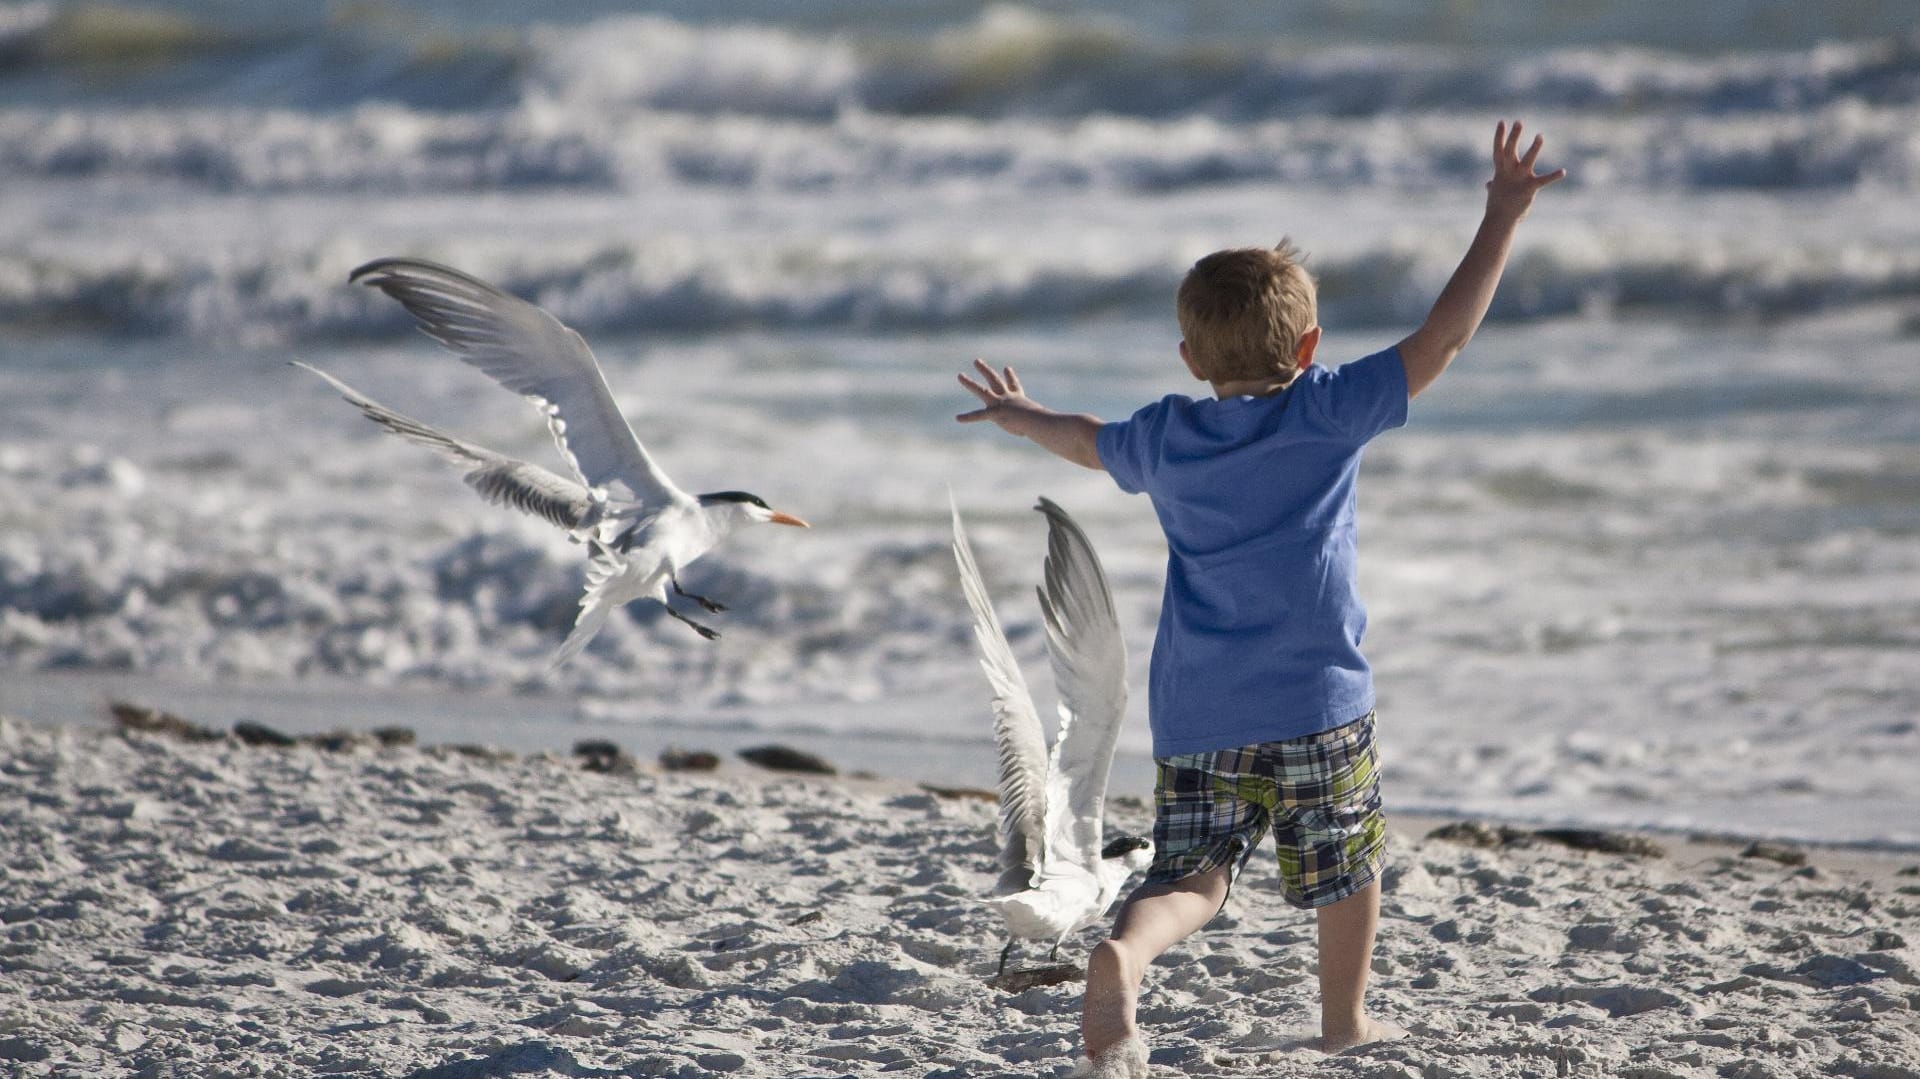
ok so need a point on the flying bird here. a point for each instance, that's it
(641, 531)
(1057, 875)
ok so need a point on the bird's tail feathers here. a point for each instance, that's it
(594, 609)
(596, 604)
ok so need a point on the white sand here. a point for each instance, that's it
(210, 910)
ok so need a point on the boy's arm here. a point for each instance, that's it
(1070, 435)
(1463, 303)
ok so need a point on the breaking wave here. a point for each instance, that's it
(636, 288)
(1005, 61)
(389, 149)
(141, 588)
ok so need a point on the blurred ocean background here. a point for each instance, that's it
(1650, 554)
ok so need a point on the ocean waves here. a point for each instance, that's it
(375, 148)
(110, 55)
(1002, 61)
(390, 149)
(675, 284)
(162, 570)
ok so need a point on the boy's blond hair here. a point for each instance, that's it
(1243, 311)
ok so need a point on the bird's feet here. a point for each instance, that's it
(711, 606)
(708, 632)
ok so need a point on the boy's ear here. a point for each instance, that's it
(1186, 357)
(1303, 352)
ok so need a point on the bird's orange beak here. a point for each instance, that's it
(787, 519)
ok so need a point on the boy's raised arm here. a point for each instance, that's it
(1463, 303)
(1070, 435)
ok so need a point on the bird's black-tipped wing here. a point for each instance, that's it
(1090, 676)
(500, 479)
(527, 350)
(1021, 743)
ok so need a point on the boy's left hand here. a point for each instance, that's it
(1510, 193)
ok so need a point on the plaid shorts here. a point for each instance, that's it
(1320, 795)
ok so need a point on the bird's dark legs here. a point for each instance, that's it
(1004, 952)
(701, 600)
(704, 631)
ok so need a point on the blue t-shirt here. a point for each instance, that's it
(1261, 622)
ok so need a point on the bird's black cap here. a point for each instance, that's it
(733, 496)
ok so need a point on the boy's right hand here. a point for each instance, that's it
(1510, 192)
(1074, 436)
(1005, 401)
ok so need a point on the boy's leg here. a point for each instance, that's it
(1331, 837)
(1155, 918)
(1346, 952)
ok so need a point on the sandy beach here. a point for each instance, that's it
(180, 908)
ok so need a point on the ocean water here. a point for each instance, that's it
(1647, 555)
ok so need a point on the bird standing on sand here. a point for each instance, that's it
(1056, 875)
(640, 529)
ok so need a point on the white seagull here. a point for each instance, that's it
(641, 530)
(1056, 875)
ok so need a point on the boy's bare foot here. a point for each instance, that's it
(1369, 1030)
(1123, 1060)
(1106, 1018)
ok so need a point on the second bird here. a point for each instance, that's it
(1057, 875)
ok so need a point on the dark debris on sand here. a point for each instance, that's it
(960, 794)
(259, 734)
(779, 758)
(138, 717)
(601, 755)
(1775, 852)
(1019, 981)
(673, 759)
(1603, 842)
(1488, 836)
(141, 719)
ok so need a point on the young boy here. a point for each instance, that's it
(1260, 702)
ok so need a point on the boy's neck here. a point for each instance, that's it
(1265, 386)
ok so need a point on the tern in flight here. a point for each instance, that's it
(640, 529)
(1057, 876)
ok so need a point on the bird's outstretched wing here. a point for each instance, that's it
(527, 350)
(500, 479)
(1016, 732)
(1090, 676)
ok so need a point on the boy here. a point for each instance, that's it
(1260, 702)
